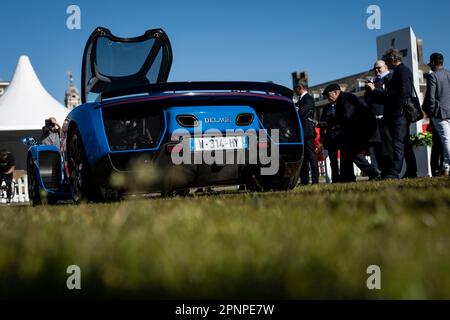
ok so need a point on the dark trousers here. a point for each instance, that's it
(410, 159)
(333, 151)
(374, 153)
(381, 152)
(309, 162)
(399, 129)
(437, 154)
(351, 153)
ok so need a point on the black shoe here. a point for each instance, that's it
(376, 176)
(390, 177)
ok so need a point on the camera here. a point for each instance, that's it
(369, 80)
(48, 123)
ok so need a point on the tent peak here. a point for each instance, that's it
(26, 103)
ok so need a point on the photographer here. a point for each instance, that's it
(398, 90)
(51, 133)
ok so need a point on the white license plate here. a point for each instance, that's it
(218, 143)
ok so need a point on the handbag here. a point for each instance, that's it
(412, 110)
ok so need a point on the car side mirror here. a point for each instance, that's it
(29, 141)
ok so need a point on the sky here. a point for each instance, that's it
(219, 40)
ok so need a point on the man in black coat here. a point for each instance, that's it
(306, 110)
(329, 138)
(375, 97)
(358, 127)
(399, 91)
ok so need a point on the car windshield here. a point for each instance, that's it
(113, 64)
(121, 59)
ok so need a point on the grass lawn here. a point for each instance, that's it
(313, 242)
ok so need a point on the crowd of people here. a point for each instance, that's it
(376, 125)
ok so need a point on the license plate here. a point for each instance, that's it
(218, 143)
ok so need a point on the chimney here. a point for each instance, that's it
(297, 75)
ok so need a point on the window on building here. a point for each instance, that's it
(316, 96)
(421, 77)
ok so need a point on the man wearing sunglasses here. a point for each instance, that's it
(398, 91)
(376, 98)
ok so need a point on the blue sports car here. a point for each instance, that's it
(208, 133)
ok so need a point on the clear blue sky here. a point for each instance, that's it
(220, 40)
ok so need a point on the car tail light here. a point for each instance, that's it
(174, 148)
(244, 119)
(187, 120)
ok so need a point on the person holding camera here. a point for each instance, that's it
(51, 133)
(398, 92)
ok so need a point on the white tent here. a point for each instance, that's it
(26, 103)
(23, 110)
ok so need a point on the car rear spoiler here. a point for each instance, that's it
(244, 86)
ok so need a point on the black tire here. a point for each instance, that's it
(34, 195)
(51, 200)
(84, 187)
(288, 183)
(284, 184)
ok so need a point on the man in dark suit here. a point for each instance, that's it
(306, 110)
(399, 91)
(437, 103)
(375, 97)
(358, 125)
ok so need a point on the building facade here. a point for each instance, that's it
(72, 98)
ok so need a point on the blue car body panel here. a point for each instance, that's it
(88, 119)
(35, 153)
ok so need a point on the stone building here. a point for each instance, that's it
(72, 99)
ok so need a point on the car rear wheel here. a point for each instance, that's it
(275, 183)
(84, 188)
(33, 187)
(285, 184)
